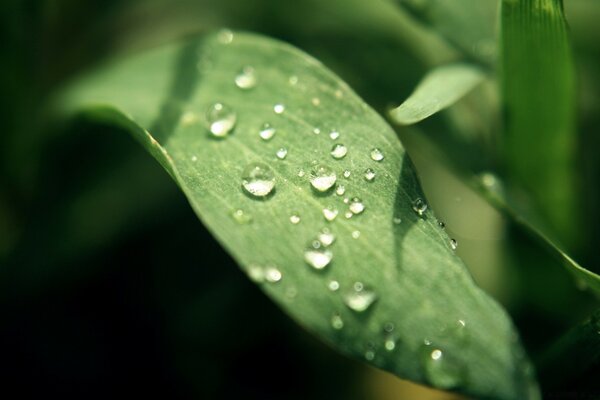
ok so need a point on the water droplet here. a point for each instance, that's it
(279, 108)
(326, 237)
(360, 298)
(322, 178)
(347, 174)
(346, 200)
(356, 206)
(266, 132)
(339, 151)
(281, 153)
(340, 190)
(348, 214)
(397, 220)
(256, 273)
(315, 101)
(369, 355)
(333, 135)
(330, 213)
(453, 244)
(273, 275)
(355, 234)
(317, 257)
(441, 224)
(369, 174)
(336, 322)
(333, 285)
(389, 343)
(295, 219)
(293, 80)
(388, 327)
(246, 78)
(301, 173)
(419, 206)
(441, 371)
(220, 119)
(376, 155)
(241, 217)
(258, 179)
(316, 131)
(194, 158)
(225, 36)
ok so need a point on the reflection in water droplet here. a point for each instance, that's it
(317, 256)
(333, 135)
(419, 206)
(322, 178)
(453, 244)
(266, 132)
(355, 234)
(356, 206)
(360, 298)
(220, 120)
(295, 219)
(273, 275)
(258, 179)
(281, 153)
(336, 322)
(376, 155)
(347, 174)
(246, 78)
(339, 151)
(333, 285)
(279, 108)
(369, 175)
(340, 190)
(241, 217)
(330, 213)
(326, 237)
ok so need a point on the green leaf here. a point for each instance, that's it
(405, 302)
(440, 88)
(538, 84)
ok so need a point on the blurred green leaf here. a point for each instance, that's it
(538, 84)
(438, 90)
(389, 289)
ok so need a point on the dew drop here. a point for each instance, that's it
(376, 155)
(336, 322)
(322, 178)
(339, 151)
(397, 220)
(220, 119)
(273, 275)
(330, 213)
(258, 179)
(333, 285)
(440, 370)
(369, 175)
(389, 343)
(419, 206)
(326, 237)
(355, 234)
(453, 244)
(347, 174)
(334, 135)
(388, 327)
(281, 153)
(317, 257)
(442, 224)
(256, 273)
(279, 108)
(266, 131)
(246, 78)
(360, 298)
(301, 173)
(369, 355)
(340, 190)
(225, 36)
(356, 206)
(241, 217)
(295, 219)
(316, 131)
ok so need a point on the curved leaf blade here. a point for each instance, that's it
(424, 319)
(438, 90)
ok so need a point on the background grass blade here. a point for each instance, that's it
(438, 90)
(538, 85)
(394, 294)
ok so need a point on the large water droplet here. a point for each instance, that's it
(272, 274)
(221, 120)
(336, 322)
(376, 155)
(246, 78)
(330, 213)
(317, 257)
(279, 108)
(356, 206)
(281, 153)
(339, 151)
(360, 298)
(322, 178)
(369, 174)
(326, 237)
(258, 179)
(266, 132)
(441, 372)
(419, 206)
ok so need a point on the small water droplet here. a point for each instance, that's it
(336, 322)
(273, 275)
(317, 257)
(390, 343)
(355, 234)
(322, 178)
(369, 355)
(316, 131)
(369, 175)
(281, 153)
(266, 131)
(333, 285)
(295, 219)
(258, 179)
(315, 101)
(301, 173)
(279, 108)
(326, 237)
(241, 217)
(419, 206)
(442, 225)
(388, 327)
(453, 244)
(220, 119)
(346, 200)
(397, 220)
(376, 155)
(334, 135)
(440, 371)
(330, 213)
(356, 206)
(339, 151)
(340, 190)
(347, 174)
(348, 214)
(246, 78)
(360, 298)
(225, 36)
(194, 158)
